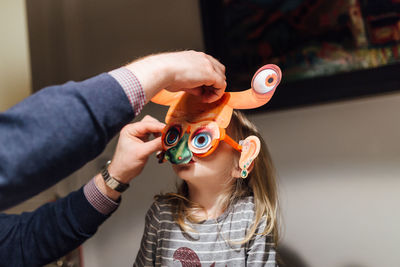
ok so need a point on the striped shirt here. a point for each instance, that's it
(164, 244)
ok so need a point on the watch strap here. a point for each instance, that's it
(111, 182)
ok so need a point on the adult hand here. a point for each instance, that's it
(132, 152)
(195, 72)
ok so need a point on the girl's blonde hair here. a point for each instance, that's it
(261, 183)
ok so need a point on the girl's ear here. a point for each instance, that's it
(250, 149)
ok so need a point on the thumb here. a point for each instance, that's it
(153, 146)
(211, 94)
(197, 91)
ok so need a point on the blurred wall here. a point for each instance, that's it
(15, 75)
(339, 168)
(75, 39)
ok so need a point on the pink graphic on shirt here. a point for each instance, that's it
(188, 257)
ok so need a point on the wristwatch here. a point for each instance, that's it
(111, 182)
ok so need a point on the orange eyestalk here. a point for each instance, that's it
(263, 86)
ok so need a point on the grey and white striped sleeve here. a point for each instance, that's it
(261, 249)
(147, 252)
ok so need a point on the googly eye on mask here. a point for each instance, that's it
(172, 136)
(204, 136)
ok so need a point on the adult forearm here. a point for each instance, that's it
(55, 132)
(42, 236)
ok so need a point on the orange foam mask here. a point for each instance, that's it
(195, 127)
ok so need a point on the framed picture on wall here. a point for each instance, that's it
(327, 50)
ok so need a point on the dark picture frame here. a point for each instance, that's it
(221, 22)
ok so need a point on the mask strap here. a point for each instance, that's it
(230, 141)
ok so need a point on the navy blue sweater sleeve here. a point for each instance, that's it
(56, 131)
(39, 237)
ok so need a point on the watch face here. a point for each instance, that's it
(115, 185)
(112, 182)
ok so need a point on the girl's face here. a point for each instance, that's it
(219, 167)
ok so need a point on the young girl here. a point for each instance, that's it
(225, 210)
(216, 218)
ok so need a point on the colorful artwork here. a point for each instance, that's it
(309, 38)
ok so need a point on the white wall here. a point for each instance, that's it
(15, 76)
(339, 173)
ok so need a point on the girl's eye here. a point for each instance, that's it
(202, 140)
(265, 81)
(204, 136)
(172, 136)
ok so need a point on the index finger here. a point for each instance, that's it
(150, 119)
(143, 128)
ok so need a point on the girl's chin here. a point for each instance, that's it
(183, 167)
(189, 173)
(185, 172)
